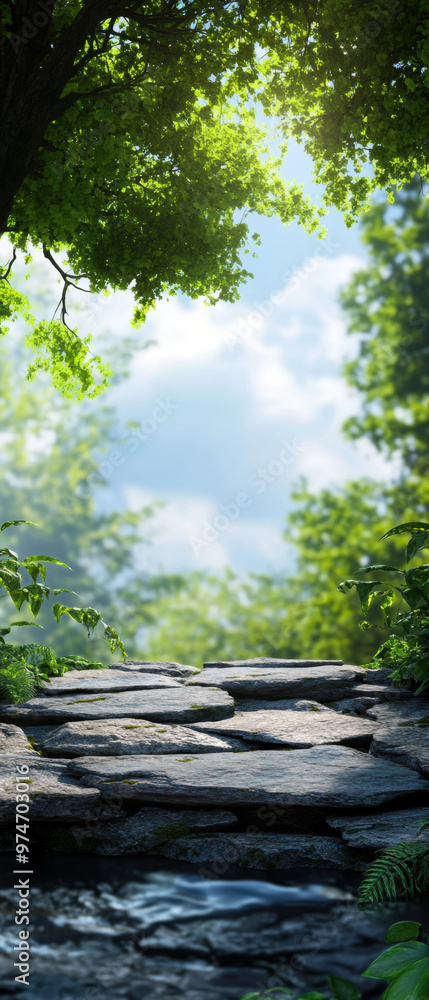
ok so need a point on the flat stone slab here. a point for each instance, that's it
(266, 851)
(13, 740)
(353, 706)
(181, 704)
(179, 670)
(94, 681)
(54, 793)
(270, 661)
(326, 776)
(409, 747)
(324, 683)
(286, 704)
(408, 714)
(381, 830)
(295, 729)
(115, 737)
(142, 833)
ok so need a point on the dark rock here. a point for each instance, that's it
(377, 831)
(324, 683)
(265, 851)
(54, 793)
(325, 776)
(354, 706)
(294, 729)
(93, 681)
(116, 737)
(181, 704)
(142, 833)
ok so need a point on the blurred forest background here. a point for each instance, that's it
(47, 459)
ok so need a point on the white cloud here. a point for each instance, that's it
(187, 535)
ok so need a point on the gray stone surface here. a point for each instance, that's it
(378, 675)
(181, 704)
(405, 746)
(94, 681)
(179, 670)
(377, 831)
(413, 712)
(116, 737)
(54, 793)
(380, 691)
(295, 729)
(265, 851)
(142, 833)
(327, 776)
(354, 706)
(289, 704)
(319, 683)
(14, 740)
(269, 661)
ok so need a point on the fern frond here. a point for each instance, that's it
(400, 871)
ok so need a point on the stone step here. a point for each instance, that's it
(376, 831)
(13, 740)
(270, 661)
(264, 851)
(142, 833)
(179, 670)
(408, 746)
(97, 681)
(116, 737)
(331, 777)
(53, 792)
(321, 683)
(412, 713)
(181, 704)
(294, 729)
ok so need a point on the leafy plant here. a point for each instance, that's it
(23, 668)
(399, 871)
(404, 966)
(408, 653)
(17, 681)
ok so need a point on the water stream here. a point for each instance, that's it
(149, 929)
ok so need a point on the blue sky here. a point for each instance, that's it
(234, 402)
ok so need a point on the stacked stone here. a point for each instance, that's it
(263, 763)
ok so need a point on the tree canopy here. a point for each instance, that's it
(129, 139)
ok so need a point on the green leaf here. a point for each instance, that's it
(409, 526)
(422, 687)
(419, 541)
(343, 989)
(8, 524)
(403, 930)
(35, 594)
(396, 959)
(411, 984)
(379, 566)
(17, 624)
(48, 559)
(9, 552)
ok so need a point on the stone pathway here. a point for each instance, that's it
(260, 763)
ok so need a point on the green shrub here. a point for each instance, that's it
(23, 668)
(404, 966)
(406, 651)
